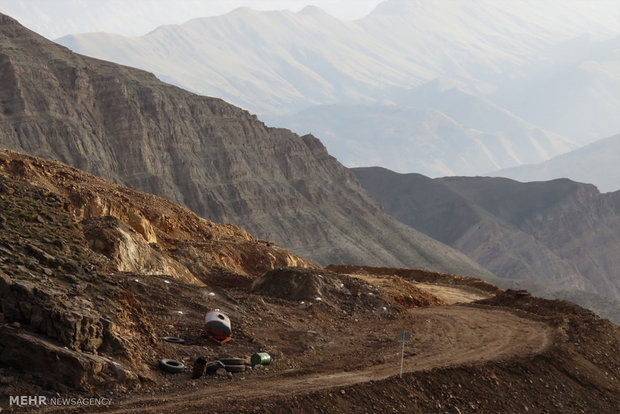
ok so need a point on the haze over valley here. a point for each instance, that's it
(511, 82)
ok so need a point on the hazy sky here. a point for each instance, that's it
(56, 18)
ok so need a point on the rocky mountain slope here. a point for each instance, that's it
(70, 243)
(560, 233)
(596, 163)
(216, 159)
(95, 276)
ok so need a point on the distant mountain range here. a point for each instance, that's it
(436, 129)
(597, 163)
(280, 61)
(557, 235)
(534, 82)
(220, 161)
(573, 89)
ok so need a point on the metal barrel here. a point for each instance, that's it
(260, 358)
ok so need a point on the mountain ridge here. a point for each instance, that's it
(364, 41)
(279, 64)
(559, 233)
(436, 129)
(595, 163)
(220, 161)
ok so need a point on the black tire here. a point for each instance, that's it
(213, 366)
(235, 368)
(232, 361)
(171, 365)
(173, 340)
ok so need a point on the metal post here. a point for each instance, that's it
(402, 359)
(404, 337)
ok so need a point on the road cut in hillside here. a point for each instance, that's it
(443, 336)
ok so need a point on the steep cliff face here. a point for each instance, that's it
(218, 160)
(560, 233)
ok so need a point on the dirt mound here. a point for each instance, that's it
(319, 286)
(321, 289)
(299, 284)
(410, 296)
(401, 291)
(418, 275)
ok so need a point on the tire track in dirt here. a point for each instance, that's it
(451, 335)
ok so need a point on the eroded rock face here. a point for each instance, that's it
(216, 159)
(85, 204)
(59, 367)
(50, 312)
(129, 250)
(57, 337)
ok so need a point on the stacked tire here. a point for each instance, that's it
(213, 366)
(233, 364)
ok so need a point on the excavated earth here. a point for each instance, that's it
(94, 275)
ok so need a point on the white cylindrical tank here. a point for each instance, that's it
(217, 326)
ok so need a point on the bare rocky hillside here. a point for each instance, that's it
(550, 236)
(216, 159)
(94, 276)
(73, 247)
(596, 163)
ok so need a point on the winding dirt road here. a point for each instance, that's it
(443, 336)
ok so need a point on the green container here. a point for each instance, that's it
(261, 358)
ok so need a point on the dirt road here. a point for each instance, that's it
(443, 336)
